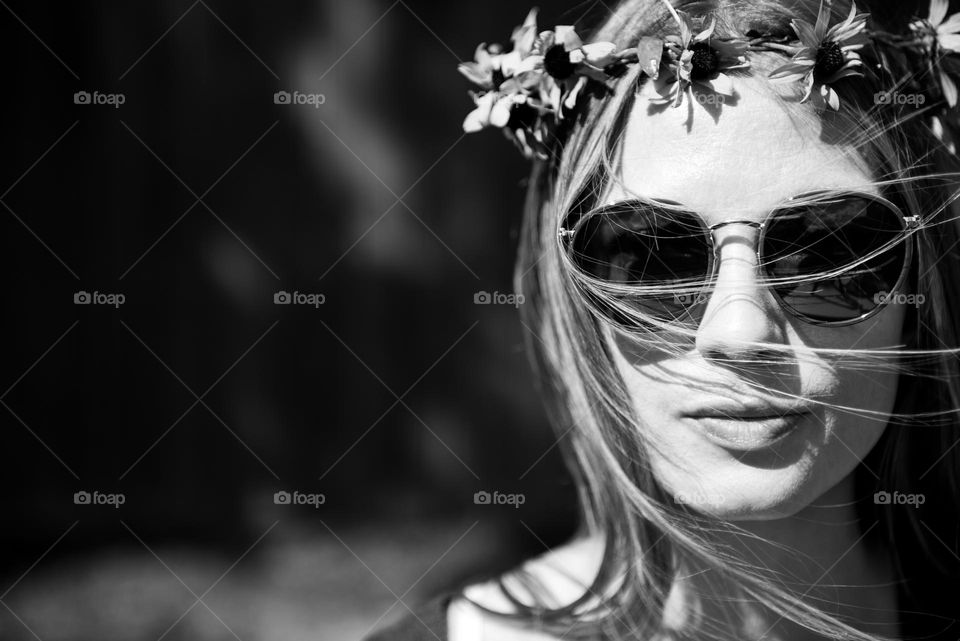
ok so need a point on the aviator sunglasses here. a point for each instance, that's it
(830, 259)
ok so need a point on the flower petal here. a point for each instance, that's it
(567, 36)
(599, 54)
(951, 25)
(830, 96)
(571, 100)
(524, 36)
(950, 41)
(791, 71)
(941, 134)
(685, 28)
(809, 89)
(543, 42)
(852, 63)
(706, 33)
(500, 112)
(649, 53)
(949, 89)
(513, 66)
(474, 74)
(823, 19)
(853, 17)
(481, 55)
(938, 11)
(479, 117)
(531, 19)
(554, 98)
(806, 32)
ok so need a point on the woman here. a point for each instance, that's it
(740, 257)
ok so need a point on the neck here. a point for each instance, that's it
(821, 556)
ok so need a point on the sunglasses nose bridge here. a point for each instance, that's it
(734, 271)
(712, 235)
(740, 314)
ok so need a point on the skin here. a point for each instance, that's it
(797, 493)
(661, 159)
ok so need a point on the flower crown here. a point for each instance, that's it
(534, 91)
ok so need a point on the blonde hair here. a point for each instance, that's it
(589, 406)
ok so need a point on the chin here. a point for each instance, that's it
(739, 492)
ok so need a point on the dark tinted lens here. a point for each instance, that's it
(804, 243)
(638, 244)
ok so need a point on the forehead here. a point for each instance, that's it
(758, 153)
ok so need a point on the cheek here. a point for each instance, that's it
(868, 384)
(867, 374)
(857, 391)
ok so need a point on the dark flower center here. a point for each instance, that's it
(829, 59)
(497, 78)
(705, 61)
(556, 62)
(522, 116)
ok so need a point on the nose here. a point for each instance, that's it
(742, 321)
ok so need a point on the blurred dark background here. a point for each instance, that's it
(179, 183)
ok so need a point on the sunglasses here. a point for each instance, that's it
(830, 259)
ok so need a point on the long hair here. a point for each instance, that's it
(648, 537)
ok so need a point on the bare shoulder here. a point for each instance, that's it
(565, 573)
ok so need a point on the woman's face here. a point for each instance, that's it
(756, 155)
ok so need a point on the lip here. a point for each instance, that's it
(748, 428)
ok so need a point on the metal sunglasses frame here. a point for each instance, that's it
(910, 225)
